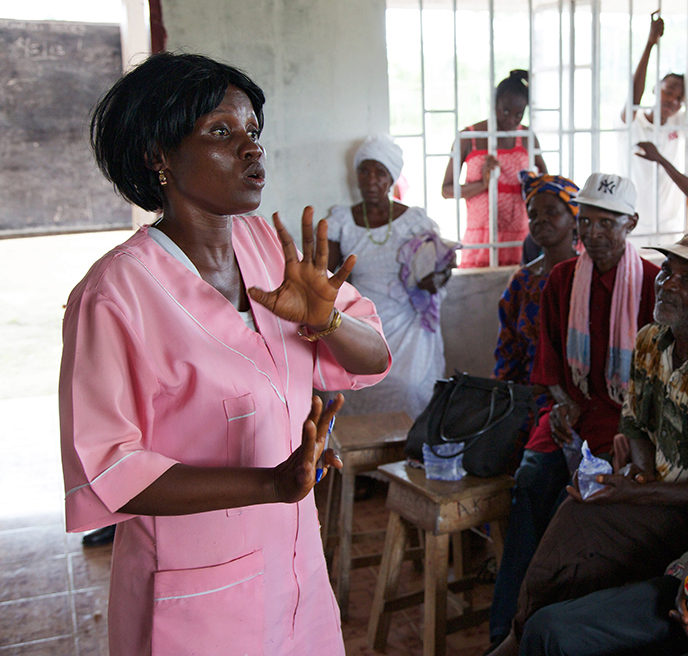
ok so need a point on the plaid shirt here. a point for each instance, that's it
(656, 407)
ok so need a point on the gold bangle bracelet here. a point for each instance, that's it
(313, 337)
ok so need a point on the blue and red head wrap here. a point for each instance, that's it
(533, 184)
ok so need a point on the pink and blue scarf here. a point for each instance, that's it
(623, 323)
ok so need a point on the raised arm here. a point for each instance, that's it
(540, 160)
(307, 295)
(640, 75)
(651, 153)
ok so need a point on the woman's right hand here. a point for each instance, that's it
(294, 478)
(491, 163)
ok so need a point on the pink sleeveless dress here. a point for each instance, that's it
(512, 218)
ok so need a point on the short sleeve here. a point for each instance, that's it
(106, 392)
(339, 214)
(424, 222)
(328, 373)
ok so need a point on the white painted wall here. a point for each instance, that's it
(323, 67)
(469, 319)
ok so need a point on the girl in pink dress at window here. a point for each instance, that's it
(512, 157)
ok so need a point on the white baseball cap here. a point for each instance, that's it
(608, 192)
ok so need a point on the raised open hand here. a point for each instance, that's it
(307, 293)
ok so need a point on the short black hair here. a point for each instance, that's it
(678, 76)
(150, 110)
(516, 84)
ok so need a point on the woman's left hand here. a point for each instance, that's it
(433, 282)
(307, 293)
(294, 478)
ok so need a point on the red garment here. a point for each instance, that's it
(599, 418)
(512, 218)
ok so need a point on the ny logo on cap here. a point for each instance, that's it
(607, 186)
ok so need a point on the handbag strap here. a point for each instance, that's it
(491, 419)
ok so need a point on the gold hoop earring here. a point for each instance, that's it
(162, 178)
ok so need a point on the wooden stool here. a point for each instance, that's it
(363, 442)
(440, 508)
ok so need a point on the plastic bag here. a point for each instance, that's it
(443, 469)
(589, 468)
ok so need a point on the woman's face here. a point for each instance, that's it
(510, 108)
(549, 220)
(374, 181)
(218, 168)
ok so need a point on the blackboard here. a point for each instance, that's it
(51, 75)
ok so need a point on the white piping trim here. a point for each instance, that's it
(320, 373)
(207, 592)
(248, 414)
(76, 489)
(112, 466)
(279, 321)
(205, 330)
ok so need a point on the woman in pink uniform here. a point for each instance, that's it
(190, 354)
(512, 157)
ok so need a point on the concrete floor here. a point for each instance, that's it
(53, 593)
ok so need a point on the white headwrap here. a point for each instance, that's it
(382, 149)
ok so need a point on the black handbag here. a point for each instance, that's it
(482, 416)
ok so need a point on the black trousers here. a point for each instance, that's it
(632, 620)
(590, 547)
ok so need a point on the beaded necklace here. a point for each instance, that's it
(389, 224)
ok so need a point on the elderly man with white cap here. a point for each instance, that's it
(628, 531)
(401, 266)
(591, 309)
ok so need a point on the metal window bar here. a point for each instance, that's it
(566, 124)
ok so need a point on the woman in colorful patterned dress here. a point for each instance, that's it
(552, 212)
(512, 157)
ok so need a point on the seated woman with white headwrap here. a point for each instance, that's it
(402, 265)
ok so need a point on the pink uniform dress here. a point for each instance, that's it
(512, 218)
(159, 368)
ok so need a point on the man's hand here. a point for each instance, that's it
(623, 487)
(656, 28)
(562, 418)
(650, 152)
(680, 613)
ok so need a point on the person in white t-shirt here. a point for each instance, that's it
(668, 138)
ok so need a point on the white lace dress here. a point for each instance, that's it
(417, 353)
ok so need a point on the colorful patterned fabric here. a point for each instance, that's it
(519, 326)
(622, 323)
(656, 407)
(562, 187)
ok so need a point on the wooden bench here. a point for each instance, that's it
(441, 509)
(363, 442)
